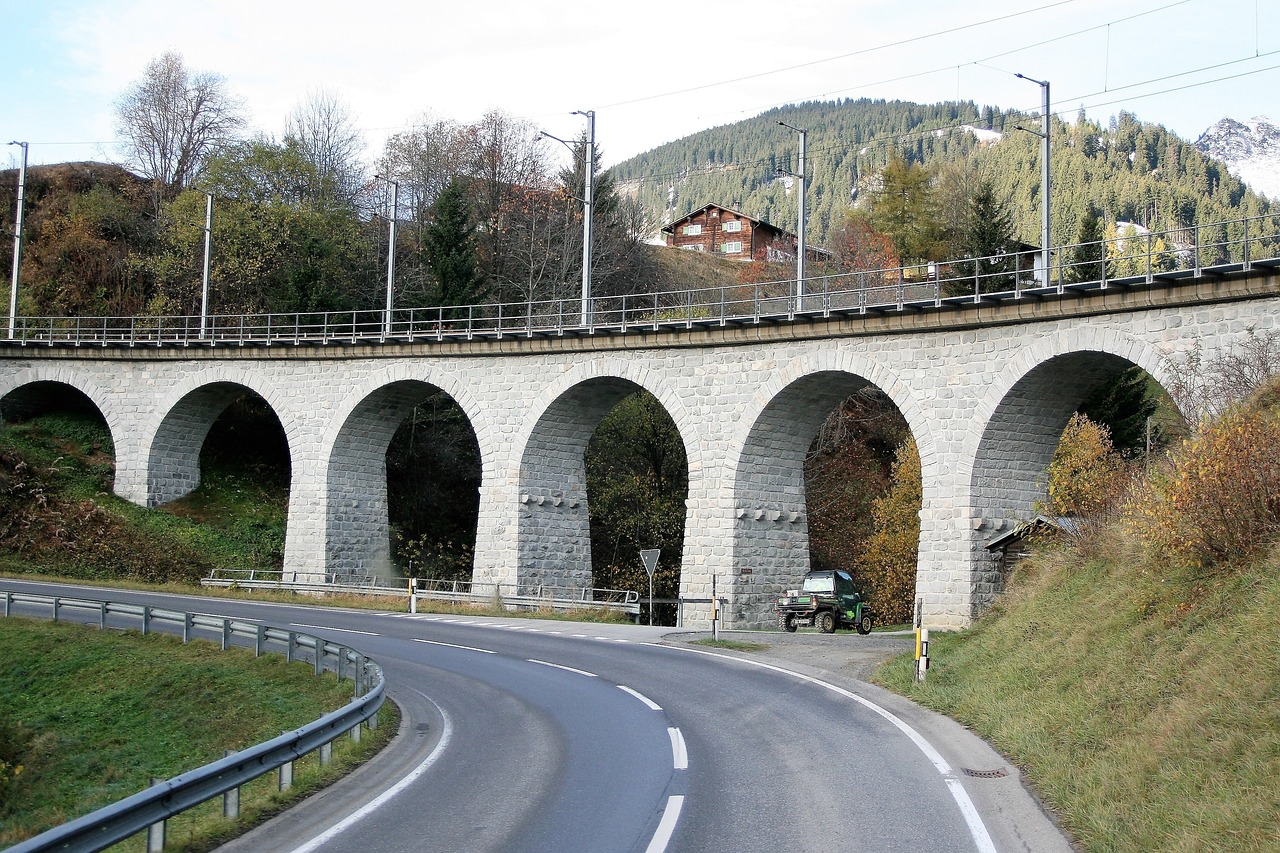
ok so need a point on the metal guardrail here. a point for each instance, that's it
(510, 596)
(1133, 260)
(529, 597)
(149, 808)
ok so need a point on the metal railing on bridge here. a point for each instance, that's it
(1129, 260)
(505, 596)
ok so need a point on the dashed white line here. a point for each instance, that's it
(666, 826)
(653, 706)
(977, 829)
(455, 646)
(679, 755)
(562, 666)
(330, 628)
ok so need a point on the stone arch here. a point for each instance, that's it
(187, 412)
(554, 530)
(40, 386)
(354, 491)
(1018, 424)
(770, 516)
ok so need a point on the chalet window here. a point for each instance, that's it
(694, 247)
(733, 247)
(733, 225)
(692, 230)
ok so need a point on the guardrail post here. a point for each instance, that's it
(226, 634)
(186, 627)
(260, 644)
(355, 733)
(319, 656)
(326, 753)
(102, 615)
(288, 649)
(8, 602)
(231, 798)
(286, 776)
(155, 832)
(146, 619)
(56, 602)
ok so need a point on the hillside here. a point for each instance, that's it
(1130, 672)
(1136, 171)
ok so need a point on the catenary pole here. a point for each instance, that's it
(18, 220)
(589, 179)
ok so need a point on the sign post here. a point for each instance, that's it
(650, 558)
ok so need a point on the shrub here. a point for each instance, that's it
(887, 572)
(1217, 500)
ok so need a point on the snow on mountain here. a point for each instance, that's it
(1250, 150)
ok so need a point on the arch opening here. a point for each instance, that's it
(814, 466)
(604, 474)
(403, 479)
(1043, 418)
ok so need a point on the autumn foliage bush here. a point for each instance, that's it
(1217, 498)
(887, 572)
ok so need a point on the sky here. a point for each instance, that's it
(651, 72)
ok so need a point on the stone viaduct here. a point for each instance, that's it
(986, 389)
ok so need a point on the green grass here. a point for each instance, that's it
(88, 717)
(1142, 701)
(735, 645)
(61, 517)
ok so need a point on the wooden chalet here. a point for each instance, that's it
(734, 235)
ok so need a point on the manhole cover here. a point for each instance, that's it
(998, 773)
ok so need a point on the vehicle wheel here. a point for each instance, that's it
(864, 624)
(825, 622)
(787, 622)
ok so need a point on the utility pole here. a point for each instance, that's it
(589, 175)
(18, 220)
(1045, 234)
(208, 245)
(800, 241)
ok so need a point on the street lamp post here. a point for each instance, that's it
(1045, 236)
(208, 245)
(800, 241)
(588, 210)
(588, 205)
(18, 220)
(391, 253)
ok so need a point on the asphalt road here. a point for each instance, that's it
(526, 735)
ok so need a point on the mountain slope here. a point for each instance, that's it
(1250, 150)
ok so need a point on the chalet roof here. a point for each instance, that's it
(671, 226)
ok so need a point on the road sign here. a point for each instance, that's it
(650, 557)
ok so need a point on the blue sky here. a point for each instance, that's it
(652, 72)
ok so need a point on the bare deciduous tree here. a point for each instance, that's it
(172, 119)
(325, 132)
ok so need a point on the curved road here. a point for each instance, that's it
(524, 735)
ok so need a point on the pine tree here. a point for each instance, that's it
(1085, 261)
(450, 247)
(988, 240)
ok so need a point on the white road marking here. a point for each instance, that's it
(977, 829)
(562, 666)
(360, 814)
(455, 646)
(679, 755)
(328, 628)
(654, 706)
(666, 826)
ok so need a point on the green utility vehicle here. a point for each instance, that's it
(826, 601)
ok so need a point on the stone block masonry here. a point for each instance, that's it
(986, 395)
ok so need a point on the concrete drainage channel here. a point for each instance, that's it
(149, 809)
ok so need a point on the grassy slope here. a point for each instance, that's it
(156, 708)
(1143, 701)
(61, 518)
